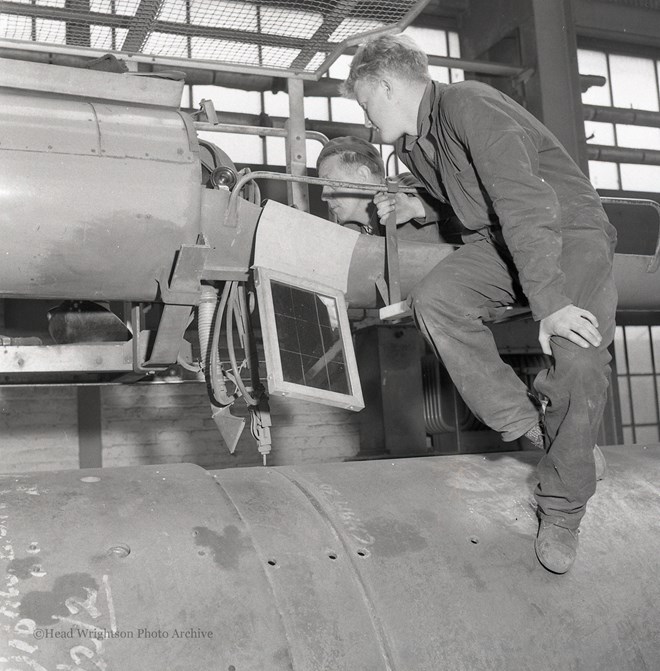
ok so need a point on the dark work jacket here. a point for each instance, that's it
(506, 177)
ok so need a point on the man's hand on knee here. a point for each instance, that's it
(570, 322)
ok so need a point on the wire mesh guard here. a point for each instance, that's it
(292, 35)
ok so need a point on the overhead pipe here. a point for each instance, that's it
(599, 152)
(631, 117)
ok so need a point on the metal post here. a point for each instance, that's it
(90, 444)
(554, 92)
(296, 152)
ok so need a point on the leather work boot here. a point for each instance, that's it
(556, 547)
(601, 464)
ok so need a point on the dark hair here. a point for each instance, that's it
(353, 151)
(394, 54)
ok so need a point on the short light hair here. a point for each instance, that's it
(353, 152)
(391, 54)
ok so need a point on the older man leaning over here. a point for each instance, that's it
(352, 159)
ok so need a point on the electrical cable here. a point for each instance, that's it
(216, 384)
(249, 399)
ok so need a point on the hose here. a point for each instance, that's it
(209, 320)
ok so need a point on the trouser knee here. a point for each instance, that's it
(584, 367)
(430, 301)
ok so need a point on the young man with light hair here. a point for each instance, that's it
(537, 232)
(352, 159)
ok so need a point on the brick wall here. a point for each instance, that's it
(38, 429)
(161, 423)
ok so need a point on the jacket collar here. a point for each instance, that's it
(427, 106)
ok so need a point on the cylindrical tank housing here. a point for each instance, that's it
(97, 194)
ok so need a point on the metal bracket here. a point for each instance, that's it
(181, 287)
(169, 337)
(207, 111)
(140, 340)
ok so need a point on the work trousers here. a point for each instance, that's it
(475, 284)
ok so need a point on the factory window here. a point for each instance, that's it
(632, 82)
(637, 350)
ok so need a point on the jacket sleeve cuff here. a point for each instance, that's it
(544, 306)
(433, 210)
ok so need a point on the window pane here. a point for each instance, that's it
(594, 63)
(431, 41)
(655, 337)
(639, 349)
(643, 400)
(316, 108)
(455, 52)
(454, 45)
(186, 101)
(604, 175)
(624, 401)
(633, 82)
(347, 111)
(313, 151)
(228, 100)
(340, 68)
(642, 137)
(439, 73)
(647, 435)
(619, 351)
(640, 177)
(276, 151)
(276, 104)
(239, 148)
(599, 133)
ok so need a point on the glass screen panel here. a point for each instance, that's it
(309, 339)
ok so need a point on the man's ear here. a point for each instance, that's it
(365, 175)
(387, 84)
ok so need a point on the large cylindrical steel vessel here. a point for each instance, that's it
(96, 195)
(416, 564)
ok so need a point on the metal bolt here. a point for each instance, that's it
(121, 551)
